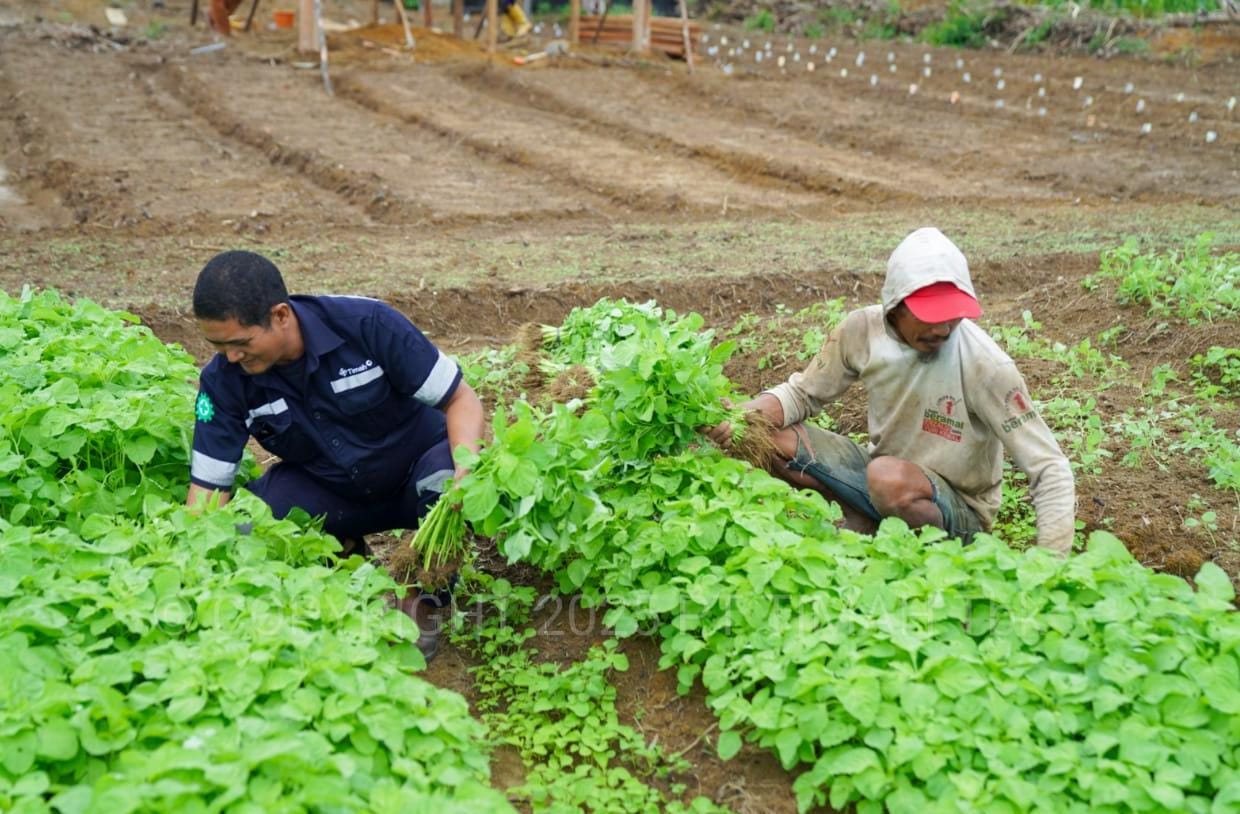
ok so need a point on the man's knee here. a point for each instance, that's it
(895, 483)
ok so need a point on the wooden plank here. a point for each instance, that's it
(458, 19)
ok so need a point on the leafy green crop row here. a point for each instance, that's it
(563, 721)
(902, 670)
(1194, 284)
(160, 660)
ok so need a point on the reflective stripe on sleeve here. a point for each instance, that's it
(433, 482)
(436, 386)
(270, 408)
(213, 470)
(357, 379)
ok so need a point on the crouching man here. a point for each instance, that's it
(945, 402)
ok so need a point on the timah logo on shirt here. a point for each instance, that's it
(938, 420)
(349, 371)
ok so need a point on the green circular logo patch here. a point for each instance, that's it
(204, 408)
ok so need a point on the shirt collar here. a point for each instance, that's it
(315, 335)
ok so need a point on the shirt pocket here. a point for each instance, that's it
(279, 435)
(367, 409)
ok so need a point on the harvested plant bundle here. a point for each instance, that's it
(436, 549)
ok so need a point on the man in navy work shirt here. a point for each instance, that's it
(362, 409)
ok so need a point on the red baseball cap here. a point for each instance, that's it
(942, 302)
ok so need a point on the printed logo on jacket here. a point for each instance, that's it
(941, 419)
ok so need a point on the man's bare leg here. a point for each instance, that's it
(786, 443)
(900, 488)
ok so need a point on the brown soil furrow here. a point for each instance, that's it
(737, 144)
(636, 177)
(1040, 157)
(396, 175)
(128, 159)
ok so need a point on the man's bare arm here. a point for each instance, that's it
(200, 496)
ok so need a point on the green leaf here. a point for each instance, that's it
(1213, 582)
(664, 598)
(729, 744)
(862, 698)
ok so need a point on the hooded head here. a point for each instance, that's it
(928, 265)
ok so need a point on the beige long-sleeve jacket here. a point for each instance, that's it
(954, 413)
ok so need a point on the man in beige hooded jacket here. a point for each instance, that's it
(944, 403)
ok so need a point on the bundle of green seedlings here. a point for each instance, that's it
(436, 550)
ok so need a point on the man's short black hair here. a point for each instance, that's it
(240, 285)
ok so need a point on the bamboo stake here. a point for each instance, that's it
(458, 19)
(318, 26)
(404, 21)
(574, 22)
(427, 14)
(492, 25)
(307, 37)
(684, 28)
(602, 19)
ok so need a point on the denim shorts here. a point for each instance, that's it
(839, 463)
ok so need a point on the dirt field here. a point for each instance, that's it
(476, 195)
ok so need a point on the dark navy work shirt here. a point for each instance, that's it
(360, 407)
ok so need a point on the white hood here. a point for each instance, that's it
(924, 257)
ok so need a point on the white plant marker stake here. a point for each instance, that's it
(1077, 81)
(1089, 100)
(925, 58)
(745, 44)
(757, 56)
(1179, 97)
(809, 66)
(955, 97)
(891, 57)
(1192, 117)
(860, 59)
(891, 68)
(873, 80)
(912, 89)
(1041, 93)
(1140, 105)
(1211, 136)
(782, 61)
(959, 63)
(966, 77)
(1146, 128)
(723, 40)
(813, 49)
(1001, 84)
(796, 57)
(926, 71)
(1037, 77)
(998, 104)
(998, 72)
(843, 73)
(1128, 87)
(1231, 104)
(1041, 111)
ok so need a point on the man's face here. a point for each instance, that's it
(924, 337)
(253, 347)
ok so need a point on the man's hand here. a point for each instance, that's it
(720, 434)
(765, 403)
